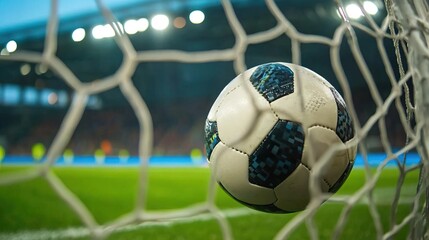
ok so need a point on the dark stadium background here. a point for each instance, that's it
(179, 95)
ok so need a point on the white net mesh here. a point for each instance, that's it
(406, 25)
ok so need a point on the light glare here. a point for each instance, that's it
(353, 11)
(196, 17)
(160, 22)
(41, 69)
(4, 52)
(179, 22)
(142, 24)
(108, 31)
(131, 26)
(11, 46)
(370, 7)
(78, 34)
(25, 69)
(98, 32)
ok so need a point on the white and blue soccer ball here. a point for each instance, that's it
(256, 144)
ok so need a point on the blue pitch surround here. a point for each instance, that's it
(374, 159)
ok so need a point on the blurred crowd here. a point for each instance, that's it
(177, 130)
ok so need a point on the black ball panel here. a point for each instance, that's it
(211, 137)
(344, 128)
(273, 80)
(278, 155)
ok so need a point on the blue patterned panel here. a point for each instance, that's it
(278, 155)
(211, 137)
(344, 128)
(273, 80)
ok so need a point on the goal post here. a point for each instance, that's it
(405, 26)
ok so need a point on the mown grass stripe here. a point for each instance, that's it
(381, 198)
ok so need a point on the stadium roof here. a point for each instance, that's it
(27, 18)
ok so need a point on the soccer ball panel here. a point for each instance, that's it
(230, 168)
(244, 118)
(319, 140)
(228, 88)
(319, 103)
(293, 193)
(352, 151)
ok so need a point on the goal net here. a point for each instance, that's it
(400, 41)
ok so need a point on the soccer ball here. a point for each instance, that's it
(259, 134)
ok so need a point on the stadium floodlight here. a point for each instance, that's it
(4, 52)
(11, 46)
(108, 31)
(131, 26)
(25, 69)
(179, 22)
(370, 7)
(354, 11)
(41, 69)
(98, 32)
(142, 24)
(160, 22)
(78, 34)
(196, 17)
(105, 31)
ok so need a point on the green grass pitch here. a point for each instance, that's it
(34, 208)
